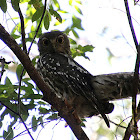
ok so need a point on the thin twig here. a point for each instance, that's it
(129, 131)
(130, 23)
(21, 133)
(38, 25)
(22, 30)
(19, 89)
(24, 49)
(19, 117)
(136, 72)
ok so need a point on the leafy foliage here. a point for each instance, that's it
(81, 50)
(3, 5)
(23, 97)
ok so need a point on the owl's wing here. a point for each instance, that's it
(66, 73)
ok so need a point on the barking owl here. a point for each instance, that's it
(67, 78)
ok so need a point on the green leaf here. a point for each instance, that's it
(32, 96)
(34, 60)
(54, 116)
(9, 88)
(7, 81)
(62, 11)
(3, 96)
(72, 41)
(55, 14)
(25, 117)
(3, 5)
(46, 21)
(15, 4)
(15, 36)
(41, 102)
(41, 121)
(77, 23)
(78, 9)
(34, 123)
(81, 50)
(70, 2)
(36, 4)
(23, 109)
(87, 48)
(78, 1)
(28, 91)
(19, 71)
(43, 110)
(26, 81)
(31, 105)
(56, 4)
(75, 33)
(0, 124)
(37, 14)
(9, 134)
(23, 1)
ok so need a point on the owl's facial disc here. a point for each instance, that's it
(58, 44)
(54, 42)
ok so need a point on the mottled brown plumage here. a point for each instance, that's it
(67, 78)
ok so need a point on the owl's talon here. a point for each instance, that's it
(68, 105)
(78, 121)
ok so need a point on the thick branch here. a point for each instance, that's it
(48, 95)
(115, 86)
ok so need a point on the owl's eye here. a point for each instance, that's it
(45, 41)
(60, 39)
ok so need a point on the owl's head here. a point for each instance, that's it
(54, 42)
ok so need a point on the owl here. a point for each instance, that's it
(67, 79)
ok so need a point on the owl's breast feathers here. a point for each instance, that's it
(71, 81)
(69, 73)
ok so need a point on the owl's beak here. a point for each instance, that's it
(52, 45)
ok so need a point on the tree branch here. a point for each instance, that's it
(24, 49)
(48, 96)
(136, 72)
(22, 30)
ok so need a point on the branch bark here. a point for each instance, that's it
(48, 96)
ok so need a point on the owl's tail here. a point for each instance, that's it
(99, 107)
